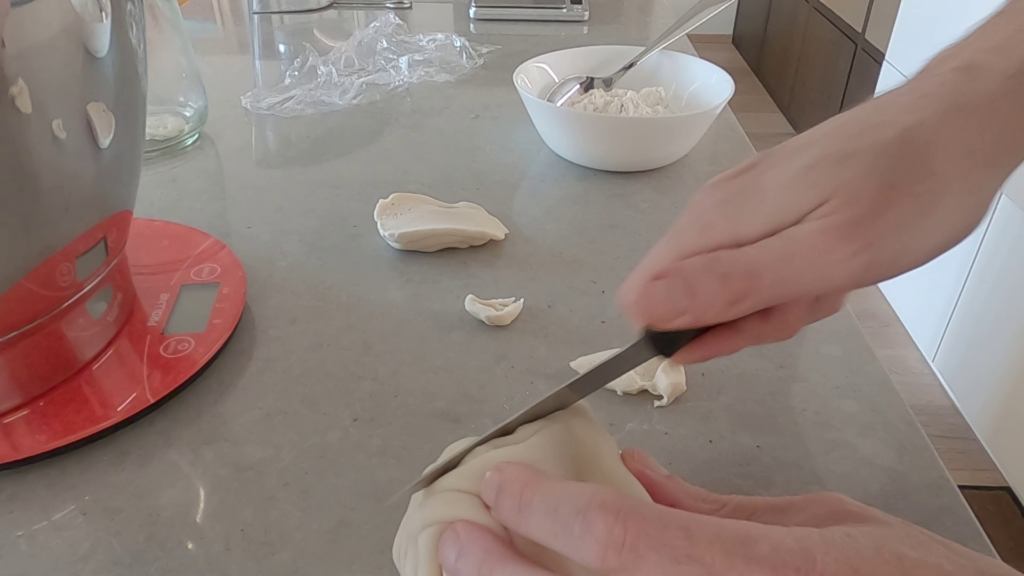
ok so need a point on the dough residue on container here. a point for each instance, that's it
(499, 312)
(659, 376)
(568, 445)
(165, 126)
(19, 94)
(58, 129)
(416, 222)
(621, 102)
(101, 120)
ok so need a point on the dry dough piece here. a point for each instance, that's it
(58, 129)
(102, 122)
(19, 93)
(499, 312)
(658, 376)
(571, 445)
(94, 17)
(421, 223)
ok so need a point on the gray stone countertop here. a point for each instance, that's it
(355, 364)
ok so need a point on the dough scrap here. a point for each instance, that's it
(571, 445)
(22, 98)
(165, 126)
(658, 376)
(420, 223)
(101, 120)
(499, 312)
(58, 129)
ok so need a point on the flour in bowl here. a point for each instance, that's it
(620, 102)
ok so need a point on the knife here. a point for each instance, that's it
(650, 345)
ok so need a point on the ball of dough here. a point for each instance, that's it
(571, 445)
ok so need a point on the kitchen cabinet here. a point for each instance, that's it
(924, 28)
(880, 23)
(863, 80)
(822, 73)
(807, 56)
(780, 54)
(981, 357)
(749, 30)
(853, 12)
(925, 297)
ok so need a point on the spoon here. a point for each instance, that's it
(581, 84)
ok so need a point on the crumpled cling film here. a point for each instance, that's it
(381, 58)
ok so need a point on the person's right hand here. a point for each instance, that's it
(778, 242)
(691, 532)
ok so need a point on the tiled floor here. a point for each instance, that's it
(971, 467)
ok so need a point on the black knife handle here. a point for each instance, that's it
(668, 343)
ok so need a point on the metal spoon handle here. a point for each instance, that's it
(700, 13)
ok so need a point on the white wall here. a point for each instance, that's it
(721, 23)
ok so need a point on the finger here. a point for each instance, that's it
(592, 525)
(468, 549)
(811, 510)
(724, 285)
(768, 326)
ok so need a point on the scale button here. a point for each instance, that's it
(205, 272)
(177, 346)
(65, 274)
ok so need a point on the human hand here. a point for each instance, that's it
(778, 242)
(691, 532)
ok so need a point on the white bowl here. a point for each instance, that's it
(698, 90)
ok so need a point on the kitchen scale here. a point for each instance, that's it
(530, 10)
(152, 303)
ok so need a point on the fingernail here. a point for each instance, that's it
(489, 488)
(649, 463)
(448, 548)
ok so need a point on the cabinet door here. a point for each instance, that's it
(889, 79)
(981, 357)
(863, 80)
(925, 27)
(780, 53)
(821, 74)
(748, 34)
(924, 298)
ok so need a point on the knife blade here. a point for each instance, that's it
(650, 345)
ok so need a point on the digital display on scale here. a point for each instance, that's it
(192, 309)
(91, 260)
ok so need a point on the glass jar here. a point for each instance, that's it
(177, 103)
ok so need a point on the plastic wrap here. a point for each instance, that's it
(381, 58)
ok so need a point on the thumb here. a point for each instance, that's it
(468, 549)
(592, 525)
(722, 285)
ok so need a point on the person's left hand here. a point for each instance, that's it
(690, 532)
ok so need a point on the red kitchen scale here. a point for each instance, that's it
(130, 313)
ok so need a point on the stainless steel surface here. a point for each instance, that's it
(305, 6)
(581, 84)
(557, 400)
(527, 11)
(355, 365)
(52, 190)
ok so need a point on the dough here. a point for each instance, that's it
(164, 126)
(658, 376)
(416, 222)
(570, 444)
(21, 97)
(94, 17)
(500, 312)
(58, 129)
(101, 120)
